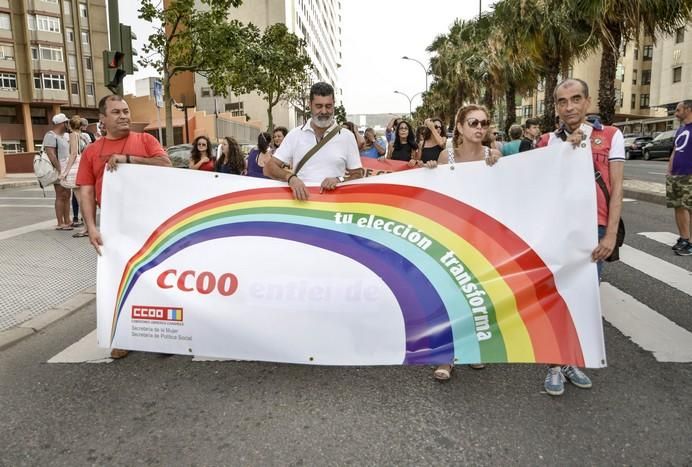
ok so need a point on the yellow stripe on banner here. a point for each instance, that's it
(515, 335)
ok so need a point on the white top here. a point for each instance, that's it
(617, 144)
(332, 160)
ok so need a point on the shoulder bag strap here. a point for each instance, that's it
(316, 148)
(602, 185)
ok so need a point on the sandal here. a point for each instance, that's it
(80, 234)
(443, 372)
(119, 353)
(477, 366)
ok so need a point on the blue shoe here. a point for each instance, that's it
(554, 382)
(577, 377)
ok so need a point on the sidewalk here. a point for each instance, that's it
(645, 191)
(44, 275)
(18, 181)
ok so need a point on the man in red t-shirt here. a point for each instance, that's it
(119, 146)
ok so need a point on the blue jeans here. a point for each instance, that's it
(601, 234)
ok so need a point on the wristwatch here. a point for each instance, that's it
(341, 179)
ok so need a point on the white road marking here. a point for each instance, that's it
(26, 229)
(85, 350)
(648, 329)
(628, 200)
(664, 271)
(667, 238)
(658, 173)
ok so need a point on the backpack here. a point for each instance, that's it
(44, 170)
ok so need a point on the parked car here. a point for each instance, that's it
(180, 154)
(634, 146)
(660, 146)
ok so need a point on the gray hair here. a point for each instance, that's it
(570, 81)
(84, 122)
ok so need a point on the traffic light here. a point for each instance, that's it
(119, 63)
(113, 72)
(126, 39)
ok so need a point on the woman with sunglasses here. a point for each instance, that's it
(472, 123)
(434, 139)
(405, 147)
(200, 156)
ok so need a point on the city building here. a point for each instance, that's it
(316, 21)
(644, 83)
(50, 62)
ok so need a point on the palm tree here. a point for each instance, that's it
(552, 32)
(618, 21)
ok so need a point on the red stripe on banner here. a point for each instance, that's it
(374, 167)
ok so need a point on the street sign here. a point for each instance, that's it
(158, 93)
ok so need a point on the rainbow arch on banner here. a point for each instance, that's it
(495, 301)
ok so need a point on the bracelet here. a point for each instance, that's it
(289, 178)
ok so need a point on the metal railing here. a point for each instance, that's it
(243, 134)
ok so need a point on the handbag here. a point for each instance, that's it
(620, 236)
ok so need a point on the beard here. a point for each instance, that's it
(322, 121)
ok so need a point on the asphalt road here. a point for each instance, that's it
(151, 409)
(648, 171)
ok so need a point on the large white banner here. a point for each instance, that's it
(471, 264)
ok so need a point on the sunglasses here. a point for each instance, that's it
(474, 123)
(201, 144)
(438, 127)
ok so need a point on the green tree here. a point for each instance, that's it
(277, 68)
(186, 39)
(340, 114)
(617, 22)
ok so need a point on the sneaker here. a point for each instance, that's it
(577, 377)
(554, 382)
(685, 251)
(681, 243)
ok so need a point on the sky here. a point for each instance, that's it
(375, 35)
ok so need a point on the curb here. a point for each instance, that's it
(35, 325)
(18, 184)
(648, 196)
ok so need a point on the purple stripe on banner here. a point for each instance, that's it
(428, 331)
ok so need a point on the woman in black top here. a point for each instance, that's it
(231, 160)
(404, 147)
(435, 140)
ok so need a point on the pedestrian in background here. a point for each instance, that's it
(532, 131)
(434, 139)
(679, 178)
(512, 146)
(57, 147)
(390, 131)
(231, 159)
(373, 146)
(404, 148)
(278, 136)
(350, 126)
(201, 157)
(68, 177)
(259, 156)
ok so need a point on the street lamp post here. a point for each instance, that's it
(424, 69)
(410, 100)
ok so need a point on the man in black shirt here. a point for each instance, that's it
(531, 134)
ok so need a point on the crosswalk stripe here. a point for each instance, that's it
(47, 206)
(26, 229)
(85, 350)
(664, 271)
(667, 238)
(645, 327)
(628, 200)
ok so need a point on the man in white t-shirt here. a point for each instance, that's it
(335, 162)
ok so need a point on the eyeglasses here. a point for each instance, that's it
(474, 123)
(202, 144)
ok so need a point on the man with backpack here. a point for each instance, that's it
(57, 148)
